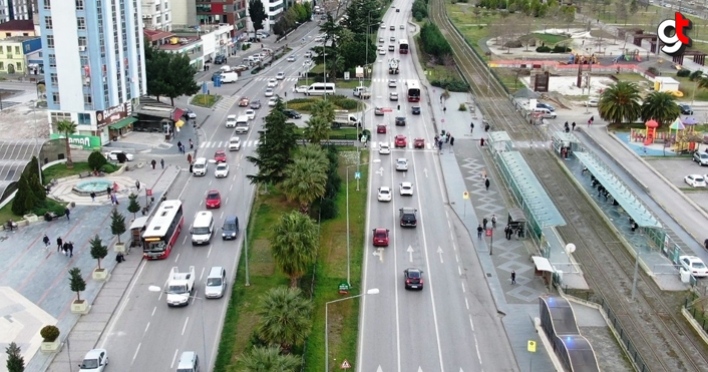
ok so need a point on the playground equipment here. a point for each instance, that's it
(629, 56)
(577, 59)
(687, 139)
(651, 126)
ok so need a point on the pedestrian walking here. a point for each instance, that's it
(45, 239)
(481, 141)
(162, 163)
(191, 144)
(513, 277)
(65, 248)
(109, 191)
(153, 163)
(507, 232)
(179, 145)
(60, 243)
(440, 143)
(452, 141)
(137, 185)
(67, 212)
(71, 249)
(486, 127)
(447, 137)
(119, 257)
(436, 140)
(573, 125)
(479, 231)
(486, 184)
(565, 125)
(472, 127)
(93, 196)
(494, 221)
(484, 222)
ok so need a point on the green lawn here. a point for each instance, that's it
(341, 133)
(58, 171)
(330, 270)
(550, 39)
(348, 85)
(205, 100)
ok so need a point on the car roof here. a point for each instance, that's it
(402, 159)
(406, 184)
(690, 258)
(408, 210)
(380, 229)
(414, 271)
(231, 117)
(94, 353)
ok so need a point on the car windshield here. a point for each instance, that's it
(221, 167)
(213, 282)
(380, 234)
(89, 364)
(177, 289)
(413, 274)
(698, 265)
(213, 196)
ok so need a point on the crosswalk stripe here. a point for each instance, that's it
(225, 144)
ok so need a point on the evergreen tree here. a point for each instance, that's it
(25, 200)
(179, 78)
(37, 189)
(133, 205)
(117, 224)
(257, 13)
(15, 361)
(76, 282)
(274, 151)
(98, 250)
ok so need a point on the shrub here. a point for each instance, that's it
(328, 209)
(561, 49)
(513, 44)
(543, 49)
(452, 85)
(96, 160)
(684, 72)
(462, 107)
(696, 75)
(49, 333)
(654, 71)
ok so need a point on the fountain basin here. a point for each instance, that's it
(97, 186)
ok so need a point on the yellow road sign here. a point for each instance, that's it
(465, 195)
(531, 346)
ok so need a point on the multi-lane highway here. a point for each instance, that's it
(146, 335)
(452, 323)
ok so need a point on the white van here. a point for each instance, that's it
(200, 167)
(202, 228)
(215, 283)
(545, 113)
(320, 89)
(241, 124)
(229, 77)
(188, 362)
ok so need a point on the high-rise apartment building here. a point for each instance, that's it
(157, 14)
(230, 12)
(14, 10)
(94, 65)
(274, 9)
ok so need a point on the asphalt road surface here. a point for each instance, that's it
(452, 323)
(145, 334)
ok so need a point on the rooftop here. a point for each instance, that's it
(17, 25)
(181, 43)
(16, 39)
(155, 35)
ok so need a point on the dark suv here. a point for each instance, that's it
(685, 109)
(400, 120)
(408, 217)
(413, 278)
(292, 114)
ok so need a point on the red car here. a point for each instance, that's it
(243, 102)
(381, 129)
(220, 156)
(419, 143)
(400, 141)
(213, 199)
(380, 237)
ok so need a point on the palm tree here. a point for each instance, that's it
(306, 177)
(317, 129)
(323, 109)
(267, 359)
(294, 245)
(660, 106)
(620, 102)
(285, 317)
(67, 128)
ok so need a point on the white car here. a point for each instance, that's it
(695, 180)
(269, 92)
(272, 83)
(95, 360)
(384, 194)
(406, 189)
(113, 155)
(382, 51)
(592, 102)
(392, 38)
(392, 83)
(401, 164)
(222, 170)
(393, 96)
(384, 148)
(403, 27)
(230, 121)
(694, 265)
(381, 40)
(251, 114)
(301, 89)
(272, 102)
(291, 59)
(383, 27)
(307, 63)
(280, 76)
(234, 144)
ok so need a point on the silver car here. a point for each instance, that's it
(402, 164)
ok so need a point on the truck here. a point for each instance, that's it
(180, 286)
(345, 119)
(362, 92)
(393, 66)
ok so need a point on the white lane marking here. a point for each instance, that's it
(177, 255)
(116, 319)
(209, 251)
(463, 287)
(154, 309)
(467, 303)
(471, 323)
(184, 327)
(135, 355)
(174, 357)
(201, 274)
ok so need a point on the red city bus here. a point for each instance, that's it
(163, 230)
(403, 46)
(413, 91)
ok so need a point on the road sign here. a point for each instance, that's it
(531, 346)
(465, 195)
(148, 192)
(489, 231)
(346, 365)
(386, 109)
(343, 288)
(357, 175)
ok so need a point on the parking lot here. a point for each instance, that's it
(675, 169)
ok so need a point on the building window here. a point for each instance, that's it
(54, 78)
(2, 66)
(17, 50)
(56, 117)
(50, 41)
(18, 66)
(79, 4)
(82, 41)
(84, 60)
(52, 60)
(81, 23)
(47, 4)
(88, 101)
(84, 119)
(48, 22)
(55, 98)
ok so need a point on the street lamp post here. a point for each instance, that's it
(348, 249)
(371, 291)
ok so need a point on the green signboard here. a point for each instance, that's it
(78, 141)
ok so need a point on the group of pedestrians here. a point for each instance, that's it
(66, 248)
(443, 138)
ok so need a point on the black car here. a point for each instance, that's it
(220, 59)
(255, 104)
(685, 109)
(413, 278)
(292, 114)
(415, 110)
(400, 120)
(408, 217)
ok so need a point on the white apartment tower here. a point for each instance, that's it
(94, 65)
(157, 14)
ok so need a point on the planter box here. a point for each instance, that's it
(119, 247)
(50, 347)
(31, 218)
(100, 275)
(80, 307)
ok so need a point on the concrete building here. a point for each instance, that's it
(94, 65)
(18, 28)
(184, 13)
(189, 45)
(216, 39)
(157, 14)
(14, 10)
(274, 9)
(21, 55)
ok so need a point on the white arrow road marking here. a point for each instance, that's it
(420, 369)
(440, 252)
(410, 253)
(379, 252)
(377, 160)
(425, 170)
(379, 369)
(380, 171)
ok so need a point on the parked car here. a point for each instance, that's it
(694, 265)
(292, 114)
(95, 360)
(301, 89)
(695, 180)
(685, 109)
(119, 156)
(189, 114)
(701, 158)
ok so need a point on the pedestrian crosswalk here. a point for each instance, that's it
(225, 103)
(223, 145)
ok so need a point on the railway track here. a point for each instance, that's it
(659, 336)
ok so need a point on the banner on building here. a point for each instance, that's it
(80, 142)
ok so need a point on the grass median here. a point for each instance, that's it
(321, 282)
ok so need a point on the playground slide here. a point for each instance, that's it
(647, 142)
